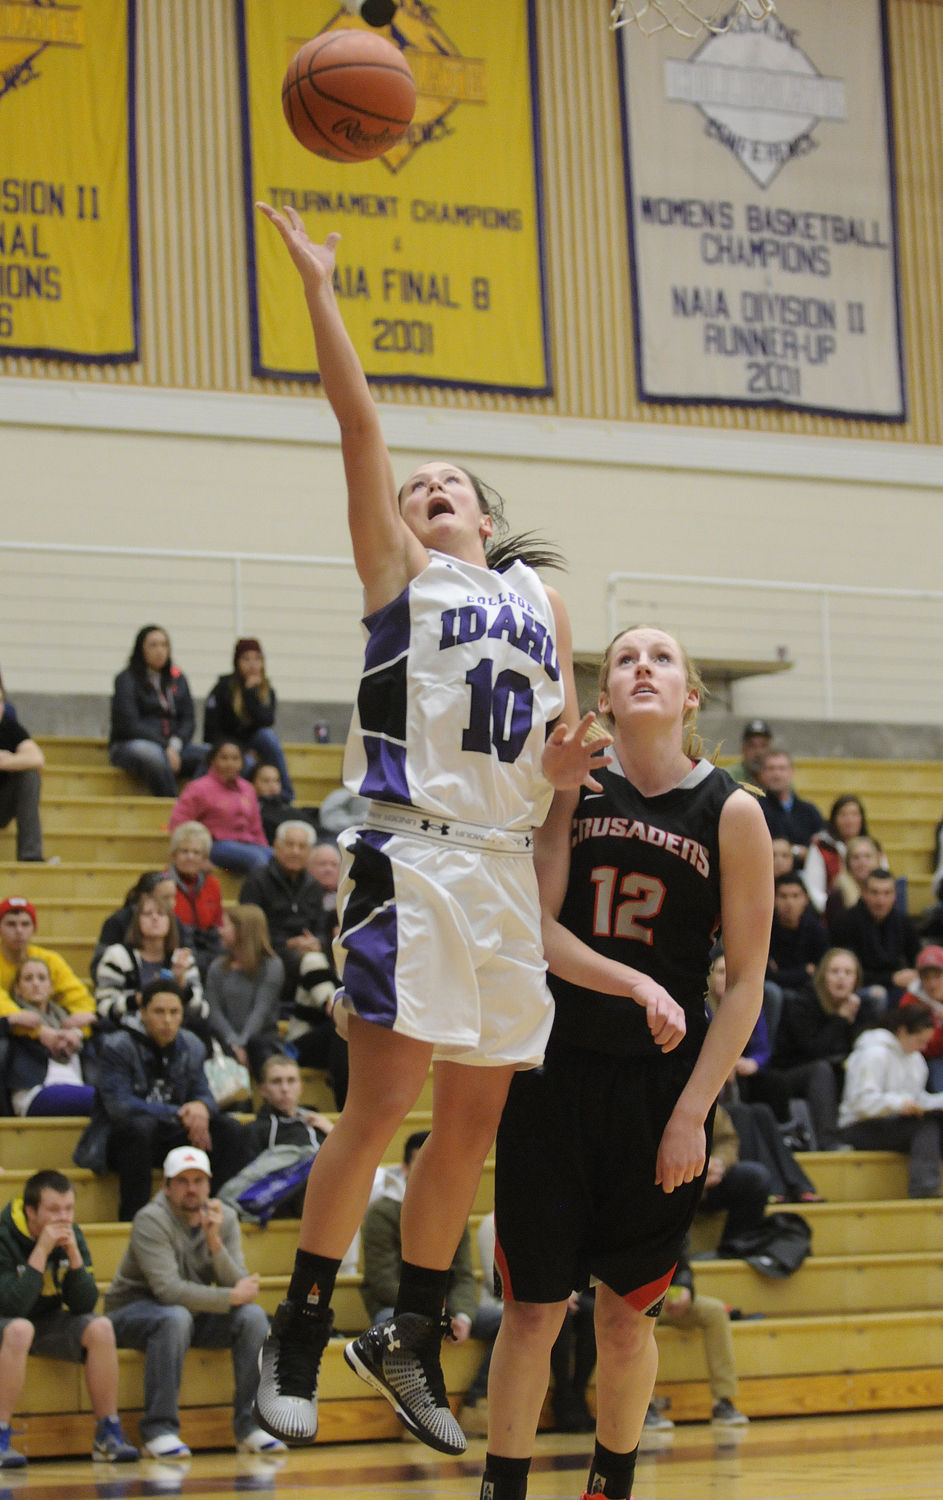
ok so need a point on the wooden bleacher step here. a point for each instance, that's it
(858, 1327)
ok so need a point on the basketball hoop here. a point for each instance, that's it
(687, 17)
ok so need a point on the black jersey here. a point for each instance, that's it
(644, 889)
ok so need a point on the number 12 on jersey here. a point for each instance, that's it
(641, 899)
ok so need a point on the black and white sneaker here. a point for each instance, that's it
(286, 1403)
(400, 1359)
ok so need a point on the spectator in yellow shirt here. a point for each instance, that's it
(17, 926)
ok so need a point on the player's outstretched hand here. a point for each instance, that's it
(314, 262)
(681, 1154)
(571, 755)
(665, 1017)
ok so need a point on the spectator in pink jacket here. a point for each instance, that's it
(227, 806)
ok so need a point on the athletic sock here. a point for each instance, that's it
(611, 1474)
(312, 1281)
(421, 1290)
(504, 1478)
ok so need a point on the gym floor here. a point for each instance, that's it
(816, 1458)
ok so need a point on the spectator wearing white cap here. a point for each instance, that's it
(755, 741)
(183, 1283)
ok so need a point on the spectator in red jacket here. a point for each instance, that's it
(198, 900)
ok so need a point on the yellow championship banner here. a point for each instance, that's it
(440, 267)
(68, 245)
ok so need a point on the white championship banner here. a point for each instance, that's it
(761, 210)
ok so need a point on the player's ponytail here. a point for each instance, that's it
(524, 546)
(504, 548)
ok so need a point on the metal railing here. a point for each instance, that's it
(69, 614)
(857, 652)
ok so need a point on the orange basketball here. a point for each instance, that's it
(348, 95)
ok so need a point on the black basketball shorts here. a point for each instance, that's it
(575, 1191)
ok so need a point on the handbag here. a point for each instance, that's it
(776, 1247)
(268, 1182)
(228, 1079)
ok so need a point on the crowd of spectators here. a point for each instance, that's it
(852, 979)
(847, 1053)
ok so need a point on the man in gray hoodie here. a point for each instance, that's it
(182, 1282)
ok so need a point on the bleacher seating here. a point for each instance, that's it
(858, 1327)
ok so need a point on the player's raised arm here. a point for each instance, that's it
(385, 552)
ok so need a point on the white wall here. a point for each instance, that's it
(241, 474)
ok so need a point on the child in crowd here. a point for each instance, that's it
(282, 1119)
(275, 808)
(784, 861)
(283, 1122)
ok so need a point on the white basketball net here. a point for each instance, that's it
(687, 17)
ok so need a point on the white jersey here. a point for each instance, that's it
(460, 682)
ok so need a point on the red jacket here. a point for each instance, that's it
(198, 903)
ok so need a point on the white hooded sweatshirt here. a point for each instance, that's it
(880, 1078)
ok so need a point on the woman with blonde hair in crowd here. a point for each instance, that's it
(862, 855)
(44, 1070)
(243, 988)
(816, 1031)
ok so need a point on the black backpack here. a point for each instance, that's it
(775, 1247)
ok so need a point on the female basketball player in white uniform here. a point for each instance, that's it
(601, 1152)
(466, 670)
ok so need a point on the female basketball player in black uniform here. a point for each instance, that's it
(601, 1153)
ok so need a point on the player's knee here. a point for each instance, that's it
(17, 1337)
(99, 1334)
(622, 1331)
(534, 1323)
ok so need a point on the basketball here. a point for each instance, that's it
(348, 95)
